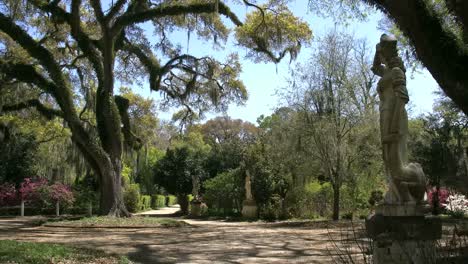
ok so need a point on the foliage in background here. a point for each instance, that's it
(225, 192)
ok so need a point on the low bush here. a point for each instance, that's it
(132, 197)
(225, 192)
(171, 200)
(272, 210)
(158, 201)
(145, 202)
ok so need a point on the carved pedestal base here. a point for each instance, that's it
(249, 209)
(402, 238)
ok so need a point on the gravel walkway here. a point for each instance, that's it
(204, 242)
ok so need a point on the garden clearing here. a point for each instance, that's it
(201, 242)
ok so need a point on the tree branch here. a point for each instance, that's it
(164, 10)
(28, 74)
(47, 112)
(115, 9)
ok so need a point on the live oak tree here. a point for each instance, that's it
(77, 51)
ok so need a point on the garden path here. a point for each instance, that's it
(202, 242)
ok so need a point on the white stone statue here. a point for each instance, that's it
(406, 181)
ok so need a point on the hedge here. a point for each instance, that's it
(158, 201)
(145, 202)
(132, 198)
(171, 200)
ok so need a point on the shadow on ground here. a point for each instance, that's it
(209, 242)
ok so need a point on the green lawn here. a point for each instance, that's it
(104, 221)
(32, 252)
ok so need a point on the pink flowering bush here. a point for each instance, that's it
(61, 193)
(443, 196)
(29, 190)
(8, 194)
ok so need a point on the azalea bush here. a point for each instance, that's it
(30, 190)
(456, 205)
(441, 193)
(8, 194)
(61, 193)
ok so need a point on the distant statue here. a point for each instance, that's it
(406, 181)
(248, 186)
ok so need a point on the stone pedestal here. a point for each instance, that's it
(196, 208)
(403, 235)
(249, 209)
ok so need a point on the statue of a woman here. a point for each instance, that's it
(406, 181)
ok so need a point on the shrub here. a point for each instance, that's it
(443, 196)
(8, 194)
(375, 197)
(158, 201)
(171, 200)
(145, 202)
(224, 192)
(272, 209)
(85, 197)
(61, 193)
(456, 205)
(29, 190)
(132, 197)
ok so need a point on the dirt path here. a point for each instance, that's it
(205, 242)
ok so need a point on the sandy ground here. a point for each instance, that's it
(203, 242)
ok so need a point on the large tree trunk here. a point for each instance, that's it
(336, 202)
(111, 202)
(184, 203)
(110, 134)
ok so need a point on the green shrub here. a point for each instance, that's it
(171, 200)
(347, 216)
(272, 210)
(145, 202)
(224, 192)
(132, 197)
(158, 201)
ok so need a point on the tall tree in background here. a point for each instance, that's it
(333, 94)
(74, 51)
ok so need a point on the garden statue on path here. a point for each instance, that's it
(406, 180)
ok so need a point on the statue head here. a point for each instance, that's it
(388, 52)
(387, 48)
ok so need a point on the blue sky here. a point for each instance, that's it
(264, 79)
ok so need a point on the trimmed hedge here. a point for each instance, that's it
(145, 202)
(171, 200)
(132, 198)
(158, 201)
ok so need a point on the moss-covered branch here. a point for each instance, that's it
(47, 112)
(164, 10)
(130, 139)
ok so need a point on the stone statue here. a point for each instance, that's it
(248, 187)
(406, 181)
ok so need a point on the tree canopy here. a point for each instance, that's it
(75, 52)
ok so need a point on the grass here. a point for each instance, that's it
(32, 252)
(105, 221)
